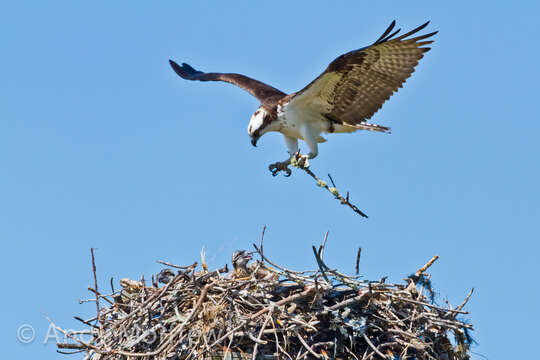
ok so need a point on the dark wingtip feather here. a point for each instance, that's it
(386, 32)
(390, 36)
(177, 69)
(189, 69)
(423, 25)
(387, 36)
(185, 71)
(173, 64)
(412, 32)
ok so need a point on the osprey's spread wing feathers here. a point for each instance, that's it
(256, 88)
(356, 84)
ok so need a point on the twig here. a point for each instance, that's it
(321, 248)
(189, 267)
(357, 267)
(85, 322)
(261, 242)
(460, 306)
(230, 333)
(259, 341)
(332, 180)
(287, 300)
(333, 190)
(427, 304)
(97, 291)
(322, 266)
(275, 336)
(277, 266)
(308, 348)
(425, 267)
(346, 303)
(67, 334)
(70, 346)
(350, 352)
(373, 346)
(104, 297)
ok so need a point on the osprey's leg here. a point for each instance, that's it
(292, 148)
(292, 145)
(311, 140)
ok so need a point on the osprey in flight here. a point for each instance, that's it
(340, 100)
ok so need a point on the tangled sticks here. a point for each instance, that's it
(319, 314)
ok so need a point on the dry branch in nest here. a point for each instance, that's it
(272, 313)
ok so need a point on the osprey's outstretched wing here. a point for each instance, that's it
(356, 84)
(256, 88)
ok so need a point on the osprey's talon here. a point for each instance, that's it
(280, 166)
(300, 161)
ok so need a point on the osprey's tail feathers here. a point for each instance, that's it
(372, 127)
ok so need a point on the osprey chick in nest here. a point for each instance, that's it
(240, 260)
(340, 100)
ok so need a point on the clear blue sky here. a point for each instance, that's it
(102, 145)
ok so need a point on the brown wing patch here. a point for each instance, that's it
(256, 88)
(356, 84)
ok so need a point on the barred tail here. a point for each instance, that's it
(372, 127)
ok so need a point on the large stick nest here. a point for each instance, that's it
(265, 311)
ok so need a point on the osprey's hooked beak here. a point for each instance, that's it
(254, 140)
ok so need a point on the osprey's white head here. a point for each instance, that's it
(258, 124)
